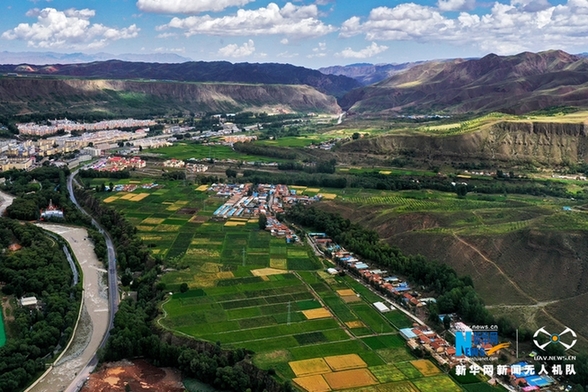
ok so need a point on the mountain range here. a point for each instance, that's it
(512, 84)
(200, 71)
(366, 73)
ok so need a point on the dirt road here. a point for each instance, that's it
(93, 322)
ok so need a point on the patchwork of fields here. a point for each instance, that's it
(250, 290)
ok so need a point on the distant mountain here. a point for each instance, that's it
(43, 58)
(366, 73)
(512, 84)
(218, 71)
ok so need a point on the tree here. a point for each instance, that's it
(183, 287)
(110, 186)
(447, 322)
(355, 136)
(461, 190)
(231, 173)
(262, 221)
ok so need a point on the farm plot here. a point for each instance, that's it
(436, 384)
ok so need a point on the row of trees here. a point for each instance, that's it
(39, 269)
(264, 151)
(316, 167)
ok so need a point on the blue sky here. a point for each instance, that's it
(312, 33)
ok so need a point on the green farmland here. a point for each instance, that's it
(247, 289)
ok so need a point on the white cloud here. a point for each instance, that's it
(292, 21)
(234, 50)
(531, 25)
(188, 6)
(67, 29)
(457, 5)
(364, 53)
(319, 51)
(284, 41)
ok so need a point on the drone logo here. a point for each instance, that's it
(554, 338)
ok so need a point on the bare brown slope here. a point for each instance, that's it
(512, 84)
(23, 95)
(514, 142)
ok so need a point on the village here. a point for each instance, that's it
(398, 295)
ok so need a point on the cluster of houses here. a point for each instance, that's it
(418, 336)
(189, 167)
(66, 125)
(114, 164)
(244, 201)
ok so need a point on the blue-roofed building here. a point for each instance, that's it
(407, 333)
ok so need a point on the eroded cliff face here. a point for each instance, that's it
(44, 95)
(521, 142)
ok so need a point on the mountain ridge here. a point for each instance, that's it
(196, 71)
(511, 84)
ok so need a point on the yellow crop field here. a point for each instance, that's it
(426, 367)
(202, 188)
(313, 190)
(297, 187)
(266, 272)
(110, 199)
(350, 379)
(312, 383)
(140, 196)
(152, 221)
(279, 263)
(355, 324)
(234, 224)
(145, 228)
(309, 367)
(328, 196)
(351, 298)
(386, 172)
(225, 275)
(205, 241)
(316, 313)
(168, 228)
(150, 237)
(345, 362)
(176, 205)
(127, 196)
(209, 253)
(346, 292)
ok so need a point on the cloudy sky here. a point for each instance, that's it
(310, 33)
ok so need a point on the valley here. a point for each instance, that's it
(463, 179)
